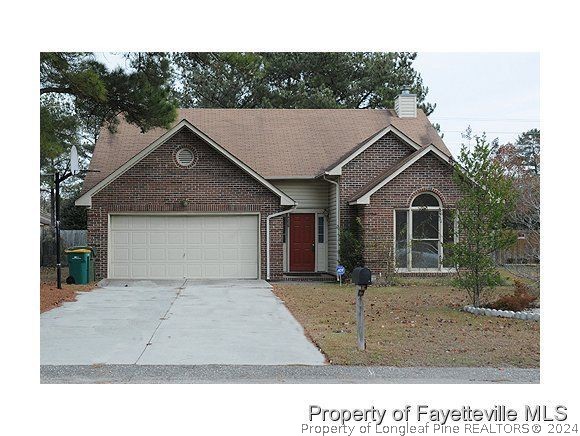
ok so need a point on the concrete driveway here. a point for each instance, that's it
(188, 322)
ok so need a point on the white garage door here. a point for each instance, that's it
(159, 247)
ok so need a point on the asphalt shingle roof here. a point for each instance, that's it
(275, 143)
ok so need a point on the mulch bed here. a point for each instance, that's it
(51, 296)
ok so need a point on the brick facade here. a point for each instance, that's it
(427, 174)
(213, 184)
(365, 167)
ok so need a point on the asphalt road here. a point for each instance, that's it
(292, 374)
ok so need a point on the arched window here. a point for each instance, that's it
(421, 232)
(426, 200)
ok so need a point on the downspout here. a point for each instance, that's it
(337, 215)
(274, 215)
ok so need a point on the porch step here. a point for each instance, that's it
(310, 277)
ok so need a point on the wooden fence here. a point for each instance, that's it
(68, 238)
(526, 250)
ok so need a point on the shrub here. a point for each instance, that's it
(351, 247)
(518, 301)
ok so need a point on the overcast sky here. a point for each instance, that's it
(498, 93)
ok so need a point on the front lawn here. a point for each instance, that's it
(419, 324)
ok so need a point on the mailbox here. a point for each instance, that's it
(361, 276)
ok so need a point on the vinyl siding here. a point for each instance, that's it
(332, 233)
(310, 195)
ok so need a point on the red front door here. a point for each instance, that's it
(302, 242)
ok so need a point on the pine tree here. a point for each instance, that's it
(296, 80)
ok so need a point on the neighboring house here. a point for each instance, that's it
(260, 193)
(44, 220)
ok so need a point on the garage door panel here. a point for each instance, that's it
(184, 246)
(175, 270)
(230, 270)
(193, 254)
(211, 238)
(139, 270)
(229, 237)
(138, 238)
(121, 254)
(157, 254)
(194, 224)
(137, 222)
(230, 254)
(212, 254)
(120, 270)
(248, 270)
(247, 223)
(211, 223)
(176, 223)
(248, 238)
(175, 238)
(194, 271)
(157, 238)
(158, 270)
(138, 254)
(211, 271)
(120, 238)
(247, 253)
(175, 254)
(120, 223)
(158, 222)
(194, 237)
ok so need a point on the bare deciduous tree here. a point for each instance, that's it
(522, 163)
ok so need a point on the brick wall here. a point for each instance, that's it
(365, 167)
(427, 174)
(213, 184)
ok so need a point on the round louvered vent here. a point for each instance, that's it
(185, 157)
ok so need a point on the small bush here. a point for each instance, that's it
(351, 247)
(518, 301)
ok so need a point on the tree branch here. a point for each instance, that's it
(56, 90)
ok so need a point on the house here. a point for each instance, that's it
(260, 193)
(44, 220)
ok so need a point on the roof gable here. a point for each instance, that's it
(363, 196)
(336, 168)
(85, 198)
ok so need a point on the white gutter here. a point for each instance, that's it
(268, 236)
(337, 215)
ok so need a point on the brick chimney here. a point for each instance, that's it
(406, 104)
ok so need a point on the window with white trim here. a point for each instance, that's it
(421, 232)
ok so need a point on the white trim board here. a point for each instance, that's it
(337, 170)
(366, 197)
(85, 199)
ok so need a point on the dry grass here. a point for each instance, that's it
(416, 325)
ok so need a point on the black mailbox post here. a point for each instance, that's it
(361, 277)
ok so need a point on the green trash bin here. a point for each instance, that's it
(80, 265)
